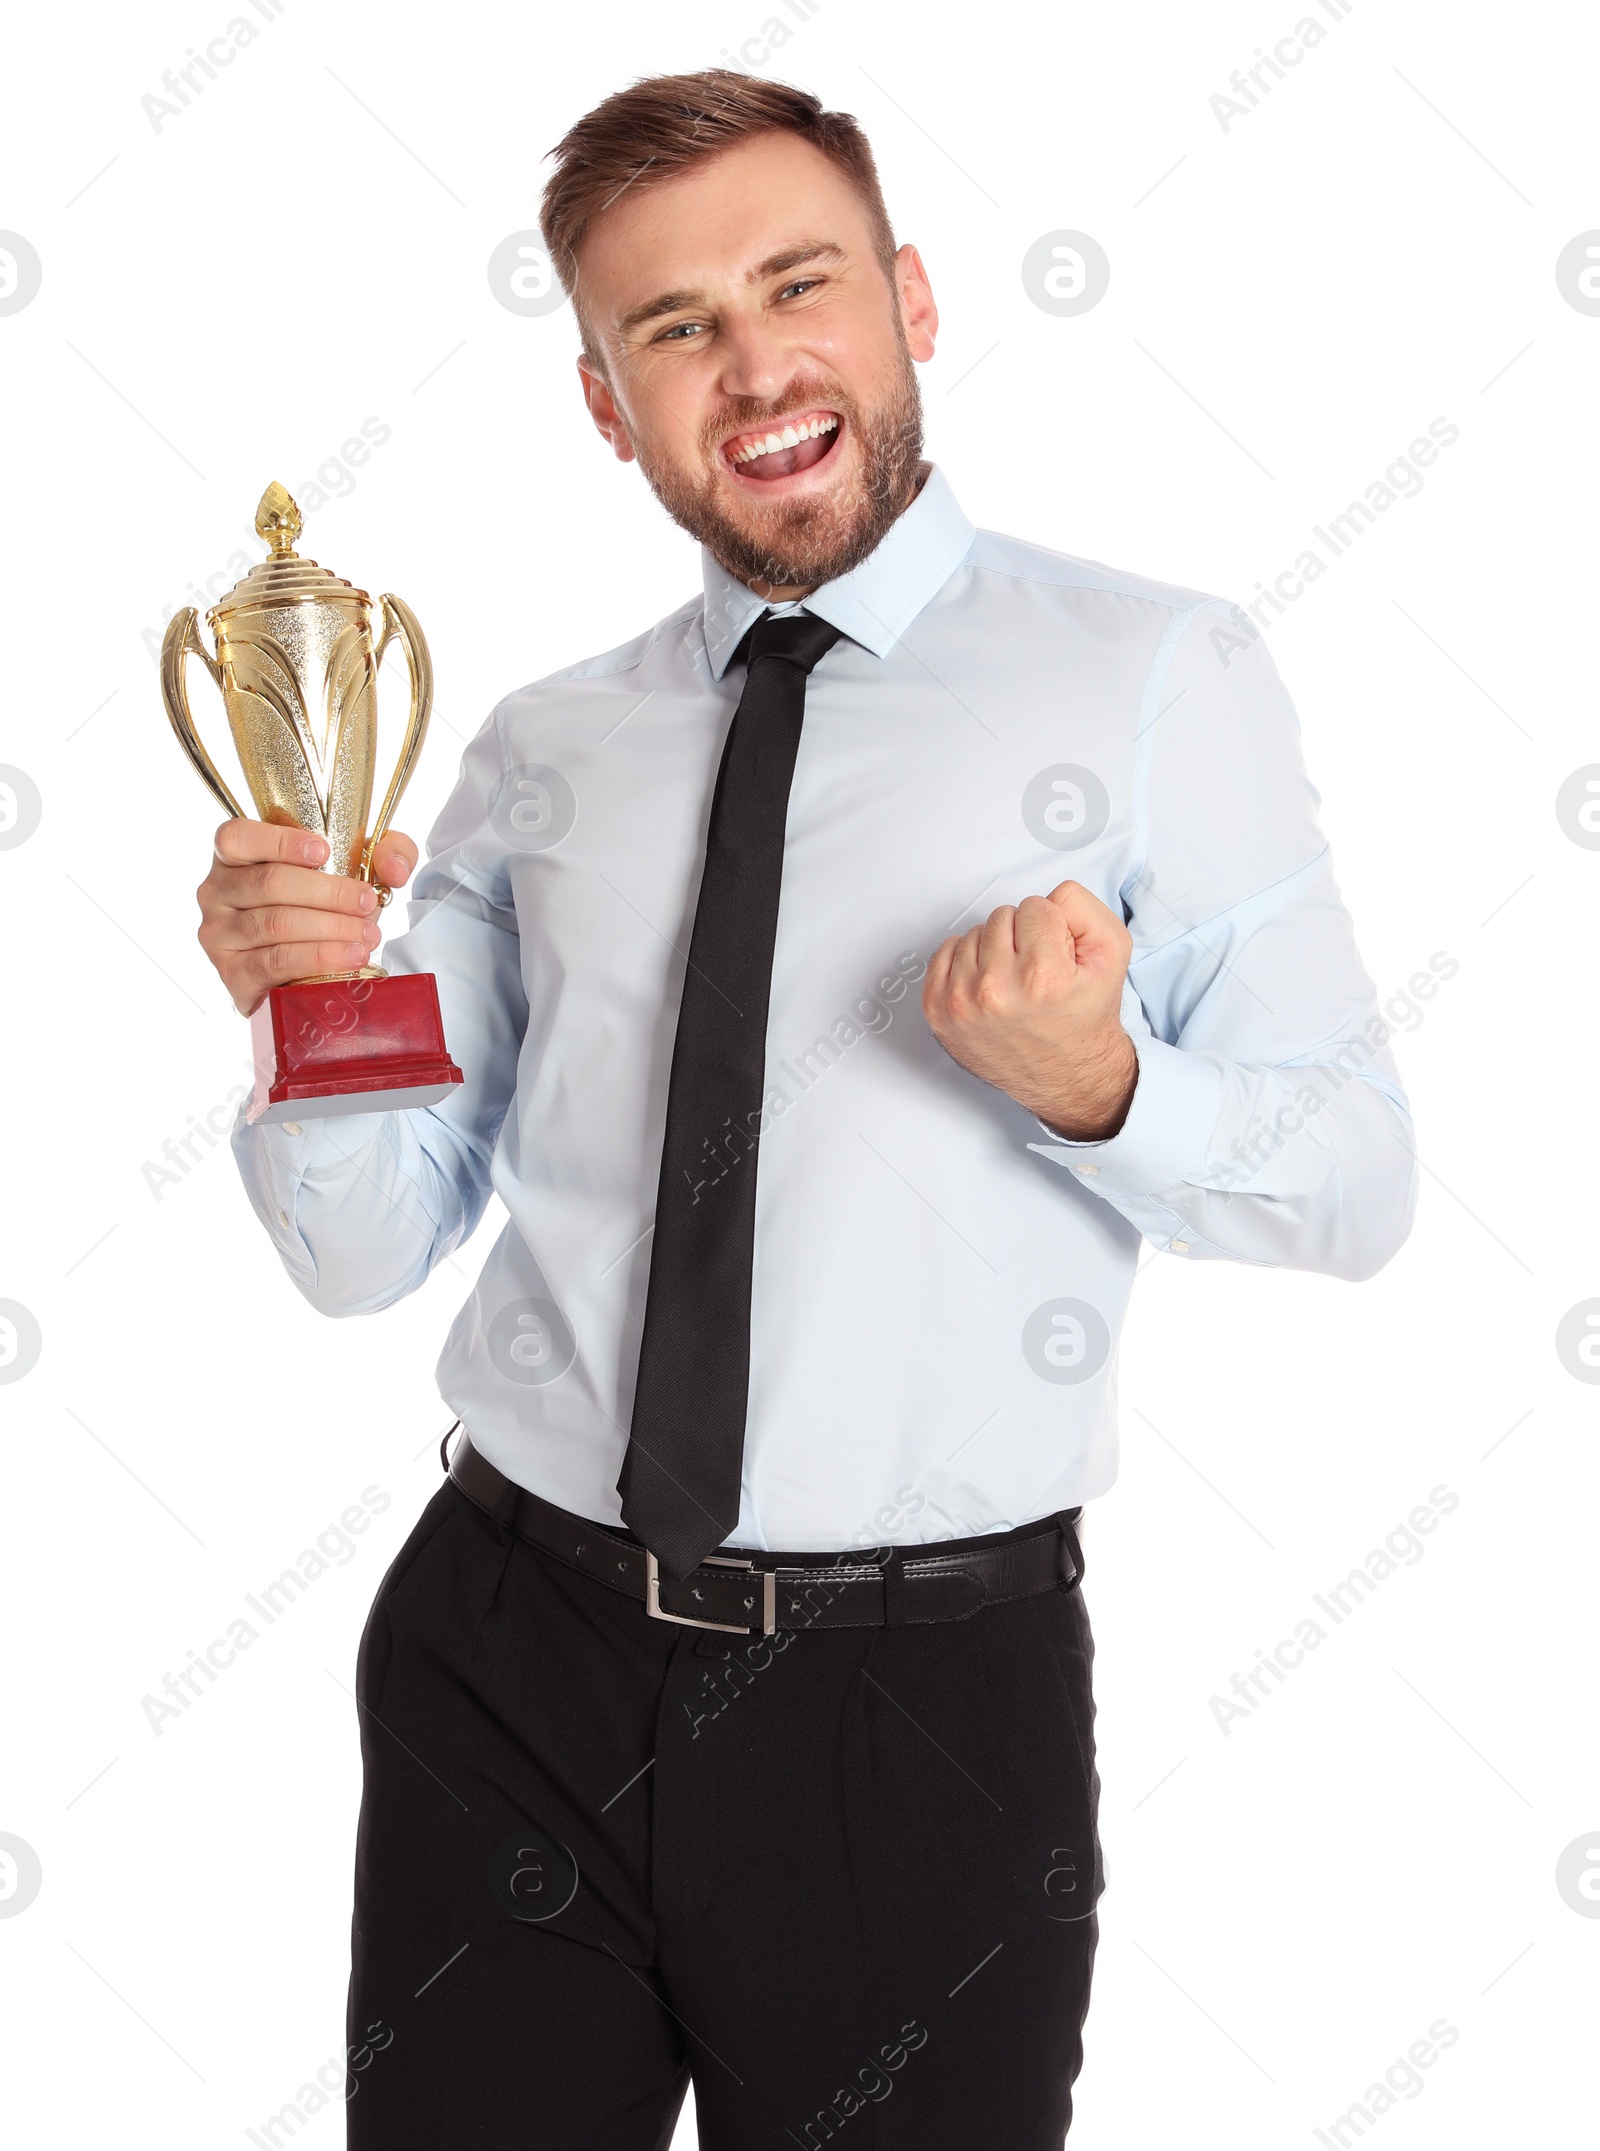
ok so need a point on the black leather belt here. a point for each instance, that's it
(759, 1593)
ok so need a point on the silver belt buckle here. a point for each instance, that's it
(658, 1612)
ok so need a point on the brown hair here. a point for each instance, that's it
(663, 126)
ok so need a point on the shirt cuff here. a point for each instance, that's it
(1166, 1138)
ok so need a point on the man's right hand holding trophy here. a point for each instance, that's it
(268, 915)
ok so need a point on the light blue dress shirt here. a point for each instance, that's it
(939, 1281)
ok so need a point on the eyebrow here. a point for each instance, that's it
(673, 302)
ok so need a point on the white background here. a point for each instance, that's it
(1292, 300)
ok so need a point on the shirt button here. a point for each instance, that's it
(291, 1127)
(283, 1217)
(1179, 1247)
(1091, 1170)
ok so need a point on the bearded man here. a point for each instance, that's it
(727, 1715)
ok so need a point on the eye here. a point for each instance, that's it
(804, 283)
(680, 332)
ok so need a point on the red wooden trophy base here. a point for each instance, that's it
(353, 1045)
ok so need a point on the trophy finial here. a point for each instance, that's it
(278, 520)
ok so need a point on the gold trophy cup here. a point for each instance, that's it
(297, 667)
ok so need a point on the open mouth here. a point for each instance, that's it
(782, 451)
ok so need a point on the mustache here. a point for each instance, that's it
(742, 414)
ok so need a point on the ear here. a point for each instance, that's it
(603, 410)
(917, 309)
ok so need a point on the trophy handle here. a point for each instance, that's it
(182, 637)
(400, 625)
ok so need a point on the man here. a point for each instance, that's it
(728, 1712)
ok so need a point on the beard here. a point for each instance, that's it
(787, 544)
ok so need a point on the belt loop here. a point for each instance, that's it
(894, 1589)
(1071, 1550)
(500, 1515)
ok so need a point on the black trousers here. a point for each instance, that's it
(845, 1879)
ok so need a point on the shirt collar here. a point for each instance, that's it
(876, 602)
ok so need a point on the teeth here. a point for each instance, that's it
(790, 437)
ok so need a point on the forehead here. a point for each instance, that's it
(707, 229)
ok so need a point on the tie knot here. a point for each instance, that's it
(799, 638)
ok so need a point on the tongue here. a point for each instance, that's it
(784, 462)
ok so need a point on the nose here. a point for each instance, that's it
(756, 362)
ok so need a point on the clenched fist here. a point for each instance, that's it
(1030, 1001)
(267, 915)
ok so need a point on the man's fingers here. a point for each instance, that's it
(240, 842)
(997, 938)
(286, 961)
(273, 923)
(1093, 926)
(1080, 907)
(248, 887)
(394, 860)
(964, 959)
(269, 917)
(1041, 927)
(937, 976)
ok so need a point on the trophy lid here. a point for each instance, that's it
(284, 578)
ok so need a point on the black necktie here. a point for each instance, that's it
(680, 1478)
